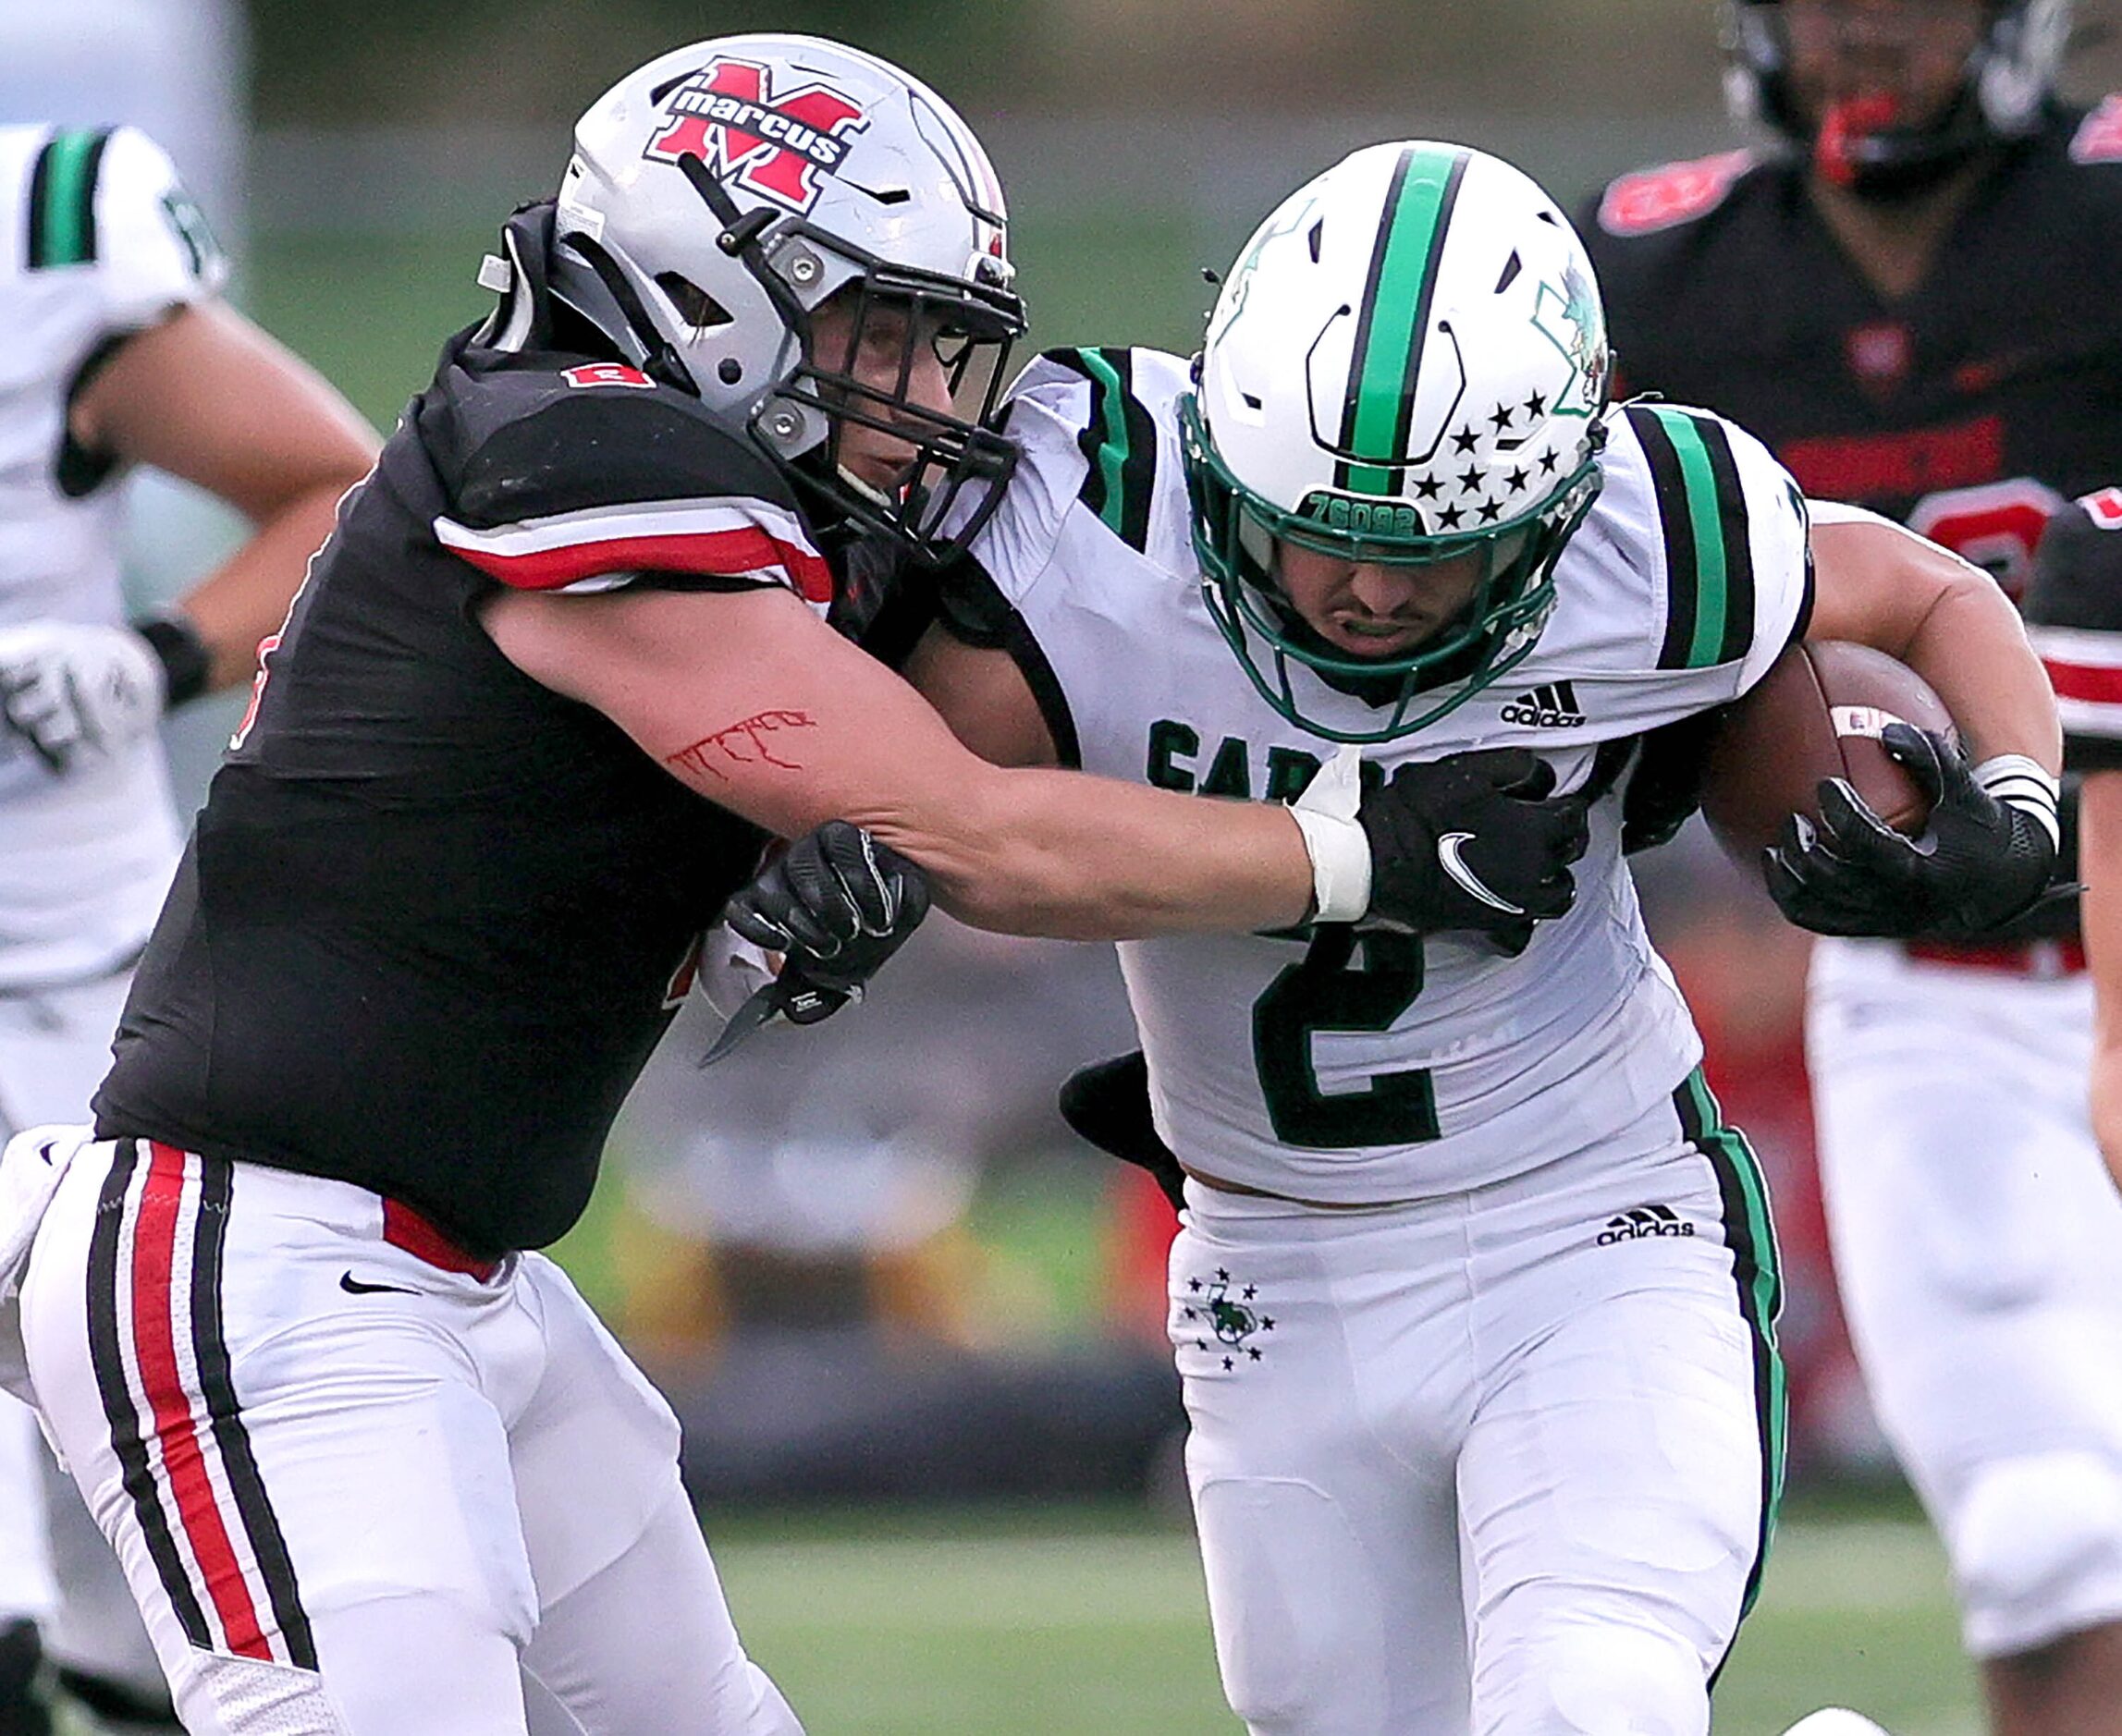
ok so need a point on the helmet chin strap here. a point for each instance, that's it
(584, 277)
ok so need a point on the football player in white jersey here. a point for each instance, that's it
(120, 352)
(1475, 1296)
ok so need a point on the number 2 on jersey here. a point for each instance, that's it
(1325, 992)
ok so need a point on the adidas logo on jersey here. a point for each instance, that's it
(1550, 707)
(1640, 1222)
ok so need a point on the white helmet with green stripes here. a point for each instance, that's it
(1408, 363)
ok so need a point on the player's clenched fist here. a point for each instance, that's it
(1984, 858)
(1473, 841)
(837, 903)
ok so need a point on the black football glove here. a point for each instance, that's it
(1980, 862)
(1473, 841)
(1107, 1103)
(839, 904)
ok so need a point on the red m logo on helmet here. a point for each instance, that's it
(729, 116)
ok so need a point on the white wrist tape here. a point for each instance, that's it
(2024, 784)
(1339, 849)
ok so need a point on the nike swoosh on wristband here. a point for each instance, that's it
(1449, 859)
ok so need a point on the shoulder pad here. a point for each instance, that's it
(558, 433)
(562, 470)
(107, 200)
(1732, 530)
(2099, 135)
(1130, 392)
(1649, 199)
(1094, 429)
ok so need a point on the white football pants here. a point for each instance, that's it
(54, 1048)
(359, 1487)
(1501, 1461)
(1978, 1247)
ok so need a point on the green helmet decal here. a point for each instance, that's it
(1570, 319)
(1380, 407)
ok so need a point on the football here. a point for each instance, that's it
(1817, 713)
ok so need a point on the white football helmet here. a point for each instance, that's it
(721, 193)
(1408, 362)
(1835, 1720)
(2005, 90)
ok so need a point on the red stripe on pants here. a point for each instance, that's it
(155, 1347)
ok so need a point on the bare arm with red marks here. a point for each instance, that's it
(752, 701)
(748, 741)
(2100, 859)
(1887, 587)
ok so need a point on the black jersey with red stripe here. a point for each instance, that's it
(1972, 410)
(2074, 617)
(431, 918)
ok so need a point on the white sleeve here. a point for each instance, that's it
(1048, 408)
(1781, 527)
(1720, 529)
(154, 251)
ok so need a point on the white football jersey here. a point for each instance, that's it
(97, 241)
(1347, 1068)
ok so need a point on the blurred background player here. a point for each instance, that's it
(179, 71)
(1908, 295)
(2074, 611)
(123, 354)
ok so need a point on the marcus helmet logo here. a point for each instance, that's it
(1554, 706)
(1640, 1223)
(777, 146)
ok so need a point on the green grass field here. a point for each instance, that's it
(1069, 1624)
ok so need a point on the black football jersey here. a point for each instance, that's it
(2074, 617)
(1972, 412)
(434, 915)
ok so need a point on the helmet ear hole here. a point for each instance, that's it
(695, 305)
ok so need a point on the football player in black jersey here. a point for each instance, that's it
(2074, 616)
(591, 633)
(1909, 294)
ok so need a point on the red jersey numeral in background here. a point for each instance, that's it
(1997, 525)
(2099, 136)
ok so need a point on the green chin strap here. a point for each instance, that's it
(1492, 636)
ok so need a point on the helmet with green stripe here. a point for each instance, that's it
(1407, 365)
